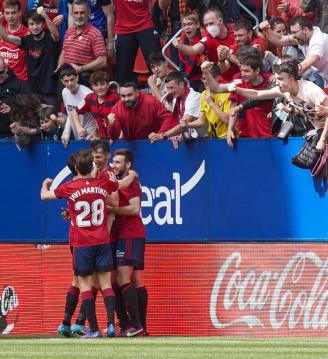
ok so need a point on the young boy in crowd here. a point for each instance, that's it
(99, 103)
(190, 64)
(73, 94)
(51, 125)
(160, 69)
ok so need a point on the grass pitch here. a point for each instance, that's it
(164, 348)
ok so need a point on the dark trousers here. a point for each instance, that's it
(126, 50)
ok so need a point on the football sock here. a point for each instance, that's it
(72, 298)
(142, 303)
(109, 300)
(88, 301)
(120, 309)
(95, 292)
(130, 298)
(81, 318)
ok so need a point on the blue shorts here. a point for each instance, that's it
(88, 260)
(130, 252)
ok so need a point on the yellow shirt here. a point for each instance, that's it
(216, 127)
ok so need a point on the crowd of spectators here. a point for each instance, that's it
(67, 70)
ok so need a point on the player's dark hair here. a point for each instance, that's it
(34, 16)
(71, 163)
(12, 3)
(302, 21)
(84, 162)
(98, 77)
(67, 70)
(175, 76)
(129, 84)
(155, 58)
(126, 153)
(289, 67)
(102, 145)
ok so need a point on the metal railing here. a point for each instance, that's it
(246, 9)
(167, 46)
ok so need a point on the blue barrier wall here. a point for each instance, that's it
(202, 192)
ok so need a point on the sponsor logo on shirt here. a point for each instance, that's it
(9, 54)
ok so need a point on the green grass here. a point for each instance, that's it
(164, 348)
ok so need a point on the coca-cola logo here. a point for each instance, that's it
(295, 296)
(9, 301)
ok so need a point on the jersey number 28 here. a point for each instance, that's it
(95, 208)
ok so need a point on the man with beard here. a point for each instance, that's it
(137, 115)
(130, 235)
(227, 57)
(42, 48)
(84, 46)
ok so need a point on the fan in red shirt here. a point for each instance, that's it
(190, 64)
(137, 115)
(99, 103)
(217, 33)
(133, 28)
(130, 236)
(92, 251)
(15, 56)
(252, 122)
(244, 36)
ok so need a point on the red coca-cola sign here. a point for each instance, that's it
(270, 297)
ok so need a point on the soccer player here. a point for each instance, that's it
(92, 251)
(72, 296)
(130, 246)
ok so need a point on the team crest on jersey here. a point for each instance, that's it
(203, 39)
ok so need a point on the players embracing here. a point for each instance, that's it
(93, 251)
